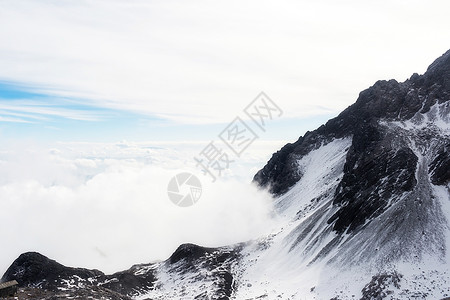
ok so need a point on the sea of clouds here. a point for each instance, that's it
(105, 205)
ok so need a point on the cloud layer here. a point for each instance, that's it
(105, 206)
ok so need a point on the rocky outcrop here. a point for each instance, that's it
(36, 270)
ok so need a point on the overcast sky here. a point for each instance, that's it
(153, 70)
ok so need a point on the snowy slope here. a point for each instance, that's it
(399, 254)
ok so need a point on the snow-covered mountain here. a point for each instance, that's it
(365, 208)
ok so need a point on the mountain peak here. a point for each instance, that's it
(439, 73)
(386, 100)
(441, 63)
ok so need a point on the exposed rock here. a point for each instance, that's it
(36, 270)
(440, 167)
(380, 286)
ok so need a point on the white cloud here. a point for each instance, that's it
(39, 110)
(13, 120)
(105, 206)
(201, 61)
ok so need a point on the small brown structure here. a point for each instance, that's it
(8, 289)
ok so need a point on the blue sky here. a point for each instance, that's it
(177, 70)
(30, 115)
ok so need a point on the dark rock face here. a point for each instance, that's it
(41, 277)
(280, 172)
(189, 253)
(380, 165)
(215, 262)
(378, 287)
(440, 167)
(91, 292)
(374, 173)
(35, 270)
(130, 282)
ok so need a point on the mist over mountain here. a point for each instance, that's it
(364, 202)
